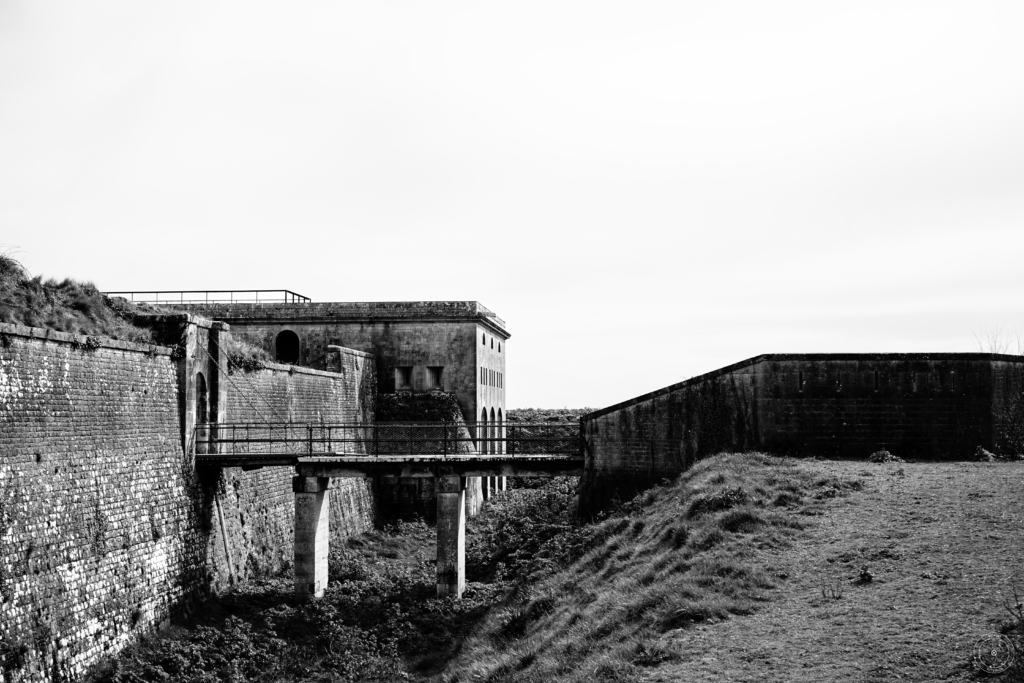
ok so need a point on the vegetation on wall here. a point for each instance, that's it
(244, 354)
(65, 306)
(405, 406)
(546, 414)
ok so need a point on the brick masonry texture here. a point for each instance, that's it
(106, 528)
(935, 406)
(258, 507)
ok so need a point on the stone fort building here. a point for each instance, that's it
(458, 347)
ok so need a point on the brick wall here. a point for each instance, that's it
(106, 528)
(99, 532)
(940, 406)
(257, 508)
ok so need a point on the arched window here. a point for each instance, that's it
(483, 339)
(481, 430)
(501, 432)
(494, 434)
(286, 347)
(202, 414)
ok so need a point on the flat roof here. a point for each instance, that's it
(320, 311)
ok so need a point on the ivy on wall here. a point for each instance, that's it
(405, 406)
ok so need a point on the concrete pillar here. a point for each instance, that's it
(451, 536)
(486, 483)
(312, 535)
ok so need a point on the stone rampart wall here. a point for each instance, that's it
(936, 406)
(106, 527)
(257, 508)
(100, 533)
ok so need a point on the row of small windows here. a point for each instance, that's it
(492, 378)
(433, 377)
(484, 341)
(918, 381)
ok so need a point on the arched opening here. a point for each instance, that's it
(481, 430)
(202, 415)
(286, 347)
(501, 433)
(494, 434)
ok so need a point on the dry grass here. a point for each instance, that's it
(683, 555)
(65, 306)
(944, 543)
(747, 568)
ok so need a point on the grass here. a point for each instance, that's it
(64, 306)
(684, 554)
(746, 568)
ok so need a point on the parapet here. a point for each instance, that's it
(379, 311)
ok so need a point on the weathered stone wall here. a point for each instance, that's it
(1008, 406)
(417, 334)
(940, 406)
(106, 528)
(257, 508)
(100, 533)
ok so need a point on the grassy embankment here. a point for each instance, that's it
(80, 308)
(64, 306)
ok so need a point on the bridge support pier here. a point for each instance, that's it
(451, 536)
(312, 535)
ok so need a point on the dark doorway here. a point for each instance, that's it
(202, 414)
(286, 347)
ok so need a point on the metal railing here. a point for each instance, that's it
(214, 296)
(387, 438)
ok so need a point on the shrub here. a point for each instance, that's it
(884, 456)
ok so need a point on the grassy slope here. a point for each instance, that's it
(716, 577)
(80, 308)
(685, 554)
(66, 306)
(945, 543)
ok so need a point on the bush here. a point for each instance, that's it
(884, 456)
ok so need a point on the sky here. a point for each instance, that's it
(643, 191)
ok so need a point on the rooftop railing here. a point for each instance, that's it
(214, 296)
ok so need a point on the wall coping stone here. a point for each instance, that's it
(963, 356)
(377, 311)
(302, 370)
(45, 334)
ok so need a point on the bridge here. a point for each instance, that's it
(447, 452)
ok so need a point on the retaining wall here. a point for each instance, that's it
(936, 406)
(106, 527)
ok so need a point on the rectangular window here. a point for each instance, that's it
(876, 380)
(403, 378)
(800, 382)
(435, 375)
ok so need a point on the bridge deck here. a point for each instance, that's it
(411, 465)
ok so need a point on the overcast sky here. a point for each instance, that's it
(644, 191)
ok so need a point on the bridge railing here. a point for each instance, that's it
(387, 438)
